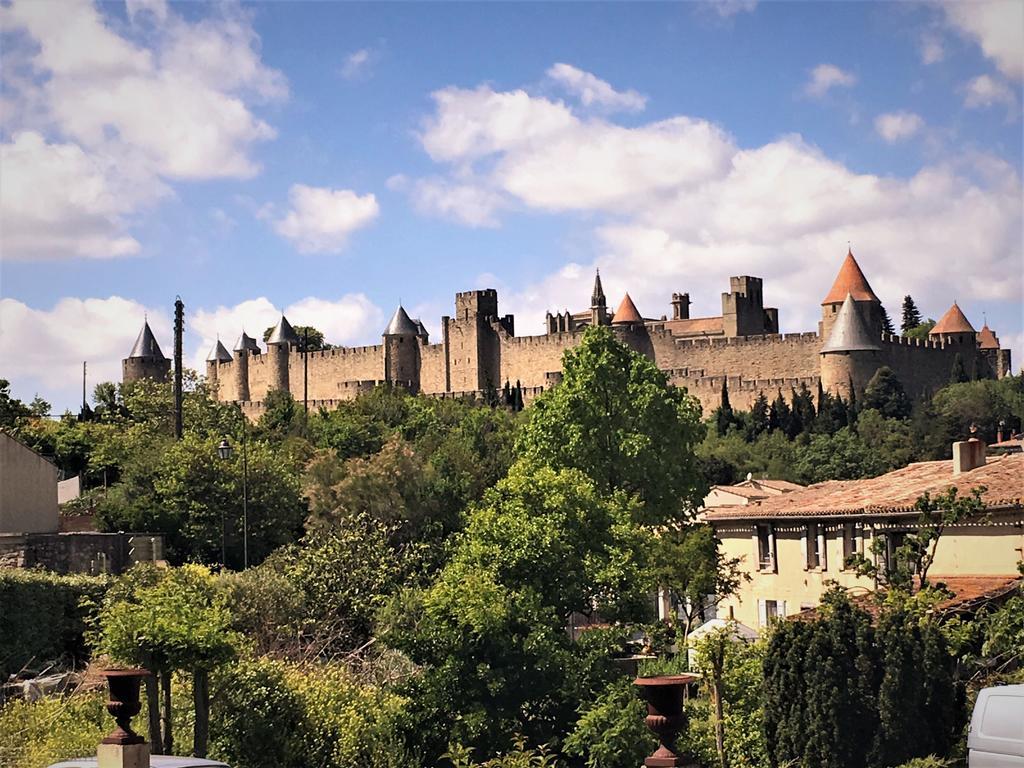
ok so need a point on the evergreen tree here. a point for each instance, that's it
(758, 417)
(886, 395)
(887, 326)
(911, 317)
(724, 415)
(506, 395)
(517, 404)
(903, 729)
(958, 375)
(796, 424)
(779, 415)
(803, 406)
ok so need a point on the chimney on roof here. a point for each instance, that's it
(968, 455)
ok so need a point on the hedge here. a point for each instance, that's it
(43, 618)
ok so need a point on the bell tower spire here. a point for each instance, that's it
(598, 303)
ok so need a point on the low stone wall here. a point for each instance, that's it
(85, 552)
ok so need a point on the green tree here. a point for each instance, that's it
(885, 394)
(615, 417)
(758, 417)
(723, 415)
(958, 374)
(891, 439)
(167, 620)
(911, 316)
(887, 326)
(842, 456)
(315, 337)
(921, 331)
(12, 410)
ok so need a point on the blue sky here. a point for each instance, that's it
(329, 159)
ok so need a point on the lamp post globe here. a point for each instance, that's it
(224, 449)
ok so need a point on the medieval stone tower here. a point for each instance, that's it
(145, 361)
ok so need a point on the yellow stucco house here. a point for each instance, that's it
(792, 543)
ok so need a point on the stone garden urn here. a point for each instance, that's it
(124, 703)
(665, 716)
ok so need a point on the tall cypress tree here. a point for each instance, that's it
(724, 415)
(958, 375)
(911, 317)
(779, 415)
(758, 416)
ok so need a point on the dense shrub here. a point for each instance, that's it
(55, 728)
(272, 714)
(44, 617)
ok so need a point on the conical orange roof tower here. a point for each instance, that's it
(850, 281)
(627, 312)
(954, 321)
(987, 338)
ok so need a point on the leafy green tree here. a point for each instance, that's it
(688, 563)
(185, 491)
(541, 546)
(803, 407)
(891, 439)
(885, 394)
(911, 316)
(167, 620)
(921, 330)
(842, 456)
(615, 417)
(12, 410)
(611, 732)
(314, 336)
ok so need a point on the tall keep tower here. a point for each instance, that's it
(145, 361)
(851, 282)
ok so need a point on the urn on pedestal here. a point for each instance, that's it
(665, 717)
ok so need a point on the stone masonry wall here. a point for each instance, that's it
(330, 368)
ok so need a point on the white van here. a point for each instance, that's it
(996, 738)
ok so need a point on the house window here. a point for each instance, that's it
(771, 609)
(814, 559)
(849, 542)
(765, 548)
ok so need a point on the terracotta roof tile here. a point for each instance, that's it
(954, 321)
(850, 280)
(890, 493)
(627, 312)
(987, 338)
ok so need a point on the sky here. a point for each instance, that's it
(330, 160)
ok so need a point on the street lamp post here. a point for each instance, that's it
(224, 450)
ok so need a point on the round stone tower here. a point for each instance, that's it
(219, 354)
(851, 355)
(145, 361)
(851, 282)
(244, 347)
(402, 351)
(280, 343)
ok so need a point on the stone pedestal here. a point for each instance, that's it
(122, 756)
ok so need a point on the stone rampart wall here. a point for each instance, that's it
(924, 366)
(331, 368)
(432, 365)
(528, 359)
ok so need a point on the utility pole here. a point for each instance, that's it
(179, 328)
(83, 387)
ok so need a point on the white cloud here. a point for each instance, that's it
(931, 49)
(729, 8)
(995, 25)
(825, 77)
(321, 219)
(897, 126)
(676, 204)
(593, 91)
(56, 200)
(43, 349)
(163, 98)
(472, 204)
(357, 64)
(986, 91)
(469, 124)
